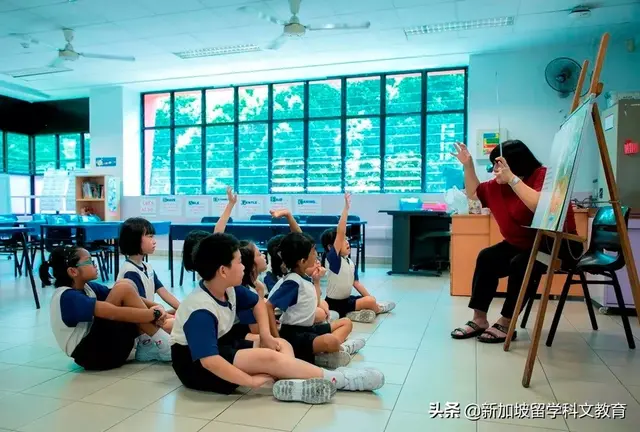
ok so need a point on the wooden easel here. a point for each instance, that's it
(552, 261)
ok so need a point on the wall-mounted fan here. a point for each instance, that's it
(562, 75)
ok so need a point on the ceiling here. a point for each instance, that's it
(151, 30)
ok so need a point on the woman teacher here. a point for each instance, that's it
(512, 196)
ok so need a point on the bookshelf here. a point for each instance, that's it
(98, 195)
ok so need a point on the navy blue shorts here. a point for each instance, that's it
(343, 306)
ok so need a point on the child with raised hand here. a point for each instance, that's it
(342, 276)
(206, 356)
(137, 239)
(95, 325)
(271, 277)
(325, 343)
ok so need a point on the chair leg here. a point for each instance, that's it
(623, 311)
(558, 314)
(181, 273)
(587, 299)
(527, 311)
(101, 266)
(358, 256)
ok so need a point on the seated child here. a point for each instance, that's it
(343, 276)
(207, 357)
(298, 300)
(136, 241)
(95, 325)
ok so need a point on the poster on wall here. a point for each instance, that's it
(148, 206)
(309, 206)
(197, 207)
(170, 206)
(562, 170)
(279, 202)
(219, 204)
(487, 140)
(250, 206)
(55, 188)
(113, 194)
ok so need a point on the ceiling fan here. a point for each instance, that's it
(293, 27)
(68, 53)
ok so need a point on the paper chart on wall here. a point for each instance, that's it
(197, 207)
(250, 206)
(219, 204)
(279, 202)
(309, 206)
(148, 206)
(170, 206)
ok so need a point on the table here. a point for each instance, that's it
(93, 231)
(23, 232)
(259, 232)
(419, 237)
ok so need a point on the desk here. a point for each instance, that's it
(94, 231)
(259, 232)
(472, 233)
(22, 233)
(419, 237)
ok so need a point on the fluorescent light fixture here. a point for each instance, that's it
(24, 73)
(217, 51)
(460, 25)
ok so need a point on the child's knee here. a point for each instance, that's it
(332, 344)
(125, 286)
(346, 323)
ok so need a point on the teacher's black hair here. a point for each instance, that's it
(518, 156)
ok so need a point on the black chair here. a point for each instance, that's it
(260, 217)
(604, 257)
(354, 232)
(212, 219)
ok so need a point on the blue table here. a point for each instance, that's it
(260, 232)
(23, 233)
(94, 231)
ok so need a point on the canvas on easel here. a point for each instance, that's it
(550, 217)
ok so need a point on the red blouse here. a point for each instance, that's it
(511, 214)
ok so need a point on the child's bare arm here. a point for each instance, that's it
(273, 325)
(112, 312)
(226, 214)
(341, 232)
(260, 288)
(293, 223)
(361, 289)
(168, 298)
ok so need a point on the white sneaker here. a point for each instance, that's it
(363, 316)
(352, 346)
(148, 351)
(361, 379)
(311, 391)
(386, 306)
(332, 360)
(333, 316)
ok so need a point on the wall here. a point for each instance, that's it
(529, 109)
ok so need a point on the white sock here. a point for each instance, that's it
(335, 377)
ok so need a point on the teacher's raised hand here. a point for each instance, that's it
(462, 153)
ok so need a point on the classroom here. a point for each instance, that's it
(362, 215)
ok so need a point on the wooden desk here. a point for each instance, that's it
(472, 233)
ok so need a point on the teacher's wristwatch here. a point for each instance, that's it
(514, 181)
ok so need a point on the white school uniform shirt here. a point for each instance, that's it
(72, 313)
(145, 279)
(296, 297)
(202, 319)
(341, 275)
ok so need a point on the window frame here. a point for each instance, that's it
(382, 115)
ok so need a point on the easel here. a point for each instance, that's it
(552, 261)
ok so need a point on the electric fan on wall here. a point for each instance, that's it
(562, 75)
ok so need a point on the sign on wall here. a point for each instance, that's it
(250, 206)
(170, 206)
(278, 202)
(148, 206)
(309, 206)
(197, 207)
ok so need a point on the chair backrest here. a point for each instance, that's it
(323, 219)
(354, 231)
(89, 218)
(604, 233)
(211, 219)
(57, 220)
(8, 218)
(260, 217)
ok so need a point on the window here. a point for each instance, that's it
(46, 152)
(70, 156)
(388, 132)
(220, 159)
(87, 150)
(157, 162)
(403, 158)
(362, 164)
(20, 187)
(18, 153)
(287, 171)
(325, 156)
(1, 152)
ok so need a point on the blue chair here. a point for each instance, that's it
(10, 244)
(260, 217)
(354, 233)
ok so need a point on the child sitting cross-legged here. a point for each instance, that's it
(342, 276)
(297, 297)
(206, 356)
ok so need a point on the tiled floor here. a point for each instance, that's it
(42, 390)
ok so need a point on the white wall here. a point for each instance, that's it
(528, 108)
